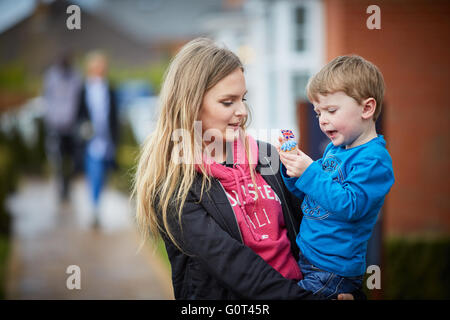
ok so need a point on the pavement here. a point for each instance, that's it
(57, 254)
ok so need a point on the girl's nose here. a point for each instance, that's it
(241, 110)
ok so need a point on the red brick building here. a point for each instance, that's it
(412, 50)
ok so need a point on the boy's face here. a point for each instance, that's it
(341, 119)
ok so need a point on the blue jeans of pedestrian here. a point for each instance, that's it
(96, 170)
(326, 284)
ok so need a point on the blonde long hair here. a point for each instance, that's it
(160, 182)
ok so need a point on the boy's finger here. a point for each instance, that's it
(290, 168)
(287, 161)
(280, 141)
(283, 158)
(300, 152)
(289, 156)
(278, 146)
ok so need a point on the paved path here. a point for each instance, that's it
(47, 238)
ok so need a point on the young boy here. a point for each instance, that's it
(344, 190)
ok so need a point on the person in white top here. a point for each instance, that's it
(62, 84)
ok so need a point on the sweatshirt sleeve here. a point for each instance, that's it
(230, 262)
(366, 184)
(290, 183)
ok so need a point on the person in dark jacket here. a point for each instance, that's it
(98, 126)
(212, 192)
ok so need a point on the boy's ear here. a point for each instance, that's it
(369, 105)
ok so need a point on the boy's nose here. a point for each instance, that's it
(323, 120)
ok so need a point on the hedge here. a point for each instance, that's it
(417, 268)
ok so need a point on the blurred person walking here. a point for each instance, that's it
(98, 126)
(62, 84)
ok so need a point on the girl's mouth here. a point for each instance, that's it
(235, 126)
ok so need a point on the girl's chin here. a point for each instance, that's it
(230, 139)
(231, 135)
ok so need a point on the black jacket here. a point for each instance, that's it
(215, 263)
(84, 118)
(83, 113)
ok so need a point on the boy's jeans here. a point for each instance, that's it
(326, 284)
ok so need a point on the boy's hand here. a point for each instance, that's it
(295, 164)
(280, 142)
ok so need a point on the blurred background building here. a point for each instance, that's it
(282, 43)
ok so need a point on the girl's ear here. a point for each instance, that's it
(369, 105)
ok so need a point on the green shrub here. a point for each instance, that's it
(127, 154)
(417, 268)
(4, 251)
(8, 181)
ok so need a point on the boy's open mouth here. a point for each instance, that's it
(331, 133)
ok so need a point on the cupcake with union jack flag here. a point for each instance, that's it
(289, 144)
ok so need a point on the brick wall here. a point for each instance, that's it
(412, 51)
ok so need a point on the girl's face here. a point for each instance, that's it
(223, 107)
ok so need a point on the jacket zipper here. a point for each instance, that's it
(235, 219)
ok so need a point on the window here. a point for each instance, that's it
(300, 81)
(300, 29)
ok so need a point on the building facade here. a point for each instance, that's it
(281, 44)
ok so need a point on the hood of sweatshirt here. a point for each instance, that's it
(257, 208)
(237, 179)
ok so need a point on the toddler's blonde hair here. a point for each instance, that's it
(355, 76)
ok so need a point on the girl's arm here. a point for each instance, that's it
(230, 262)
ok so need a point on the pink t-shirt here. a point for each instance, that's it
(258, 212)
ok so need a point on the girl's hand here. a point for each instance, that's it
(345, 296)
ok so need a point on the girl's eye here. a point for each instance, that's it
(229, 103)
(331, 110)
